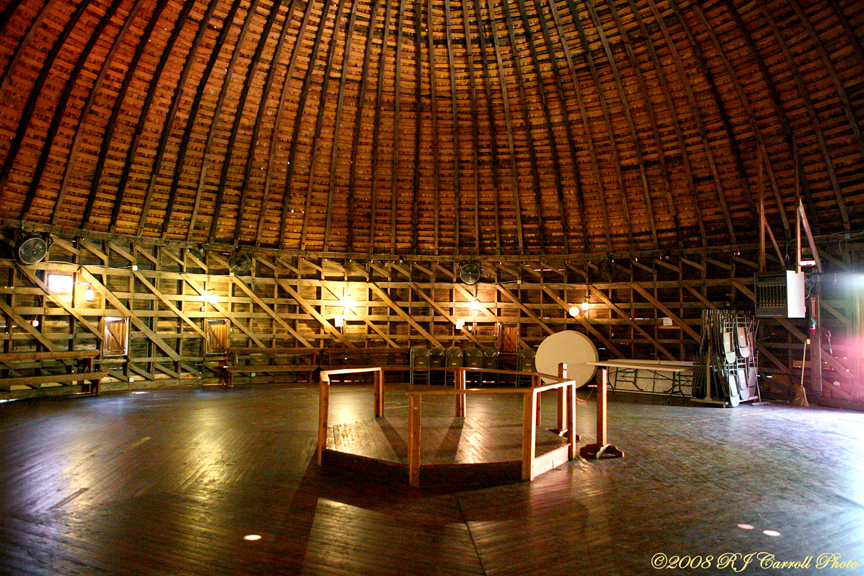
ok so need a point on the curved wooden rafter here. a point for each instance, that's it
(252, 157)
(583, 114)
(697, 117)
(456, 128)
(24, 121)
(173, 110)
(568, 129)
(238, 117)
(88, 107)
(676, 124)
(116, 109)
(292, 153)
(748, 108)
(334, 153)
(211, 132)
(361, 100)
(814, 119)
(133, 150)
(493, 130)
(376, 132)
(526, 122)
(622, 94)
(196, 107)
(652, 119)
(721, 110)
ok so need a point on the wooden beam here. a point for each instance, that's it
(365, 319)
(167, 123)
(444, 313)
(675, 319)
(61, 104)
(299, 108)
(217, 113)
(194, 109)
(334, 155)
(584, 322)
(59, 301)
(355, 144)
(240, 284)
(238, 118)
(314, 313)
(599, 294)
(27, 326)
(169, 304)
(260, 119)
(221, 309)
(396, 308)
(509, 295)
(126, 312)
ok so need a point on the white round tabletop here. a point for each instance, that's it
(574, 349)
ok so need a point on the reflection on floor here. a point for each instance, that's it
(170, 482)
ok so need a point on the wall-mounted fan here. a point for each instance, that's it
(607, 269)
(239, 263)
(470, 273)
(31, 249)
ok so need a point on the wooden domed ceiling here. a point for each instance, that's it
(432, 127)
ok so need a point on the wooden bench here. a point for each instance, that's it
(84, 375)
(267, 369)
(242, 361)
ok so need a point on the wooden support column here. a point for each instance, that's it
(378, 391)
(529, 434)
(572, 436)
(323, 413)
(602, 381)
(815, 341)
(414, 412)
(459, 384)
(538, 408)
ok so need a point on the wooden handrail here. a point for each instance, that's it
(531, 466)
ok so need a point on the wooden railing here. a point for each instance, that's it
(531, 465)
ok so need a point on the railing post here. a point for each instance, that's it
(603, 378)
(529, 433)
(323, 414)
(562, 398)
(459, 383)
(414, 411)
(378, 389)
(572, 436)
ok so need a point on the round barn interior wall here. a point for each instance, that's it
(553, 141)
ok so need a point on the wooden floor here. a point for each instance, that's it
(170, 482)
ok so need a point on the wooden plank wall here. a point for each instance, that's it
(647, 307)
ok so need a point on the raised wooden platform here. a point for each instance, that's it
(453, 451)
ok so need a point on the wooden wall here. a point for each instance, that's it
(646, 307)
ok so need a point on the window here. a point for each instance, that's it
(115, 334)
(61, 285)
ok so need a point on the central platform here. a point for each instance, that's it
(453, 450)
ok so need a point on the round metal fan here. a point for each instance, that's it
(470, 273)
(31, 249)
(239, 263)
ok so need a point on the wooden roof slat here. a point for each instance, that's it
(133, 150)
(238, 118)
(24, 121)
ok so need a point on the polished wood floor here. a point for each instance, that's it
(170, 482)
